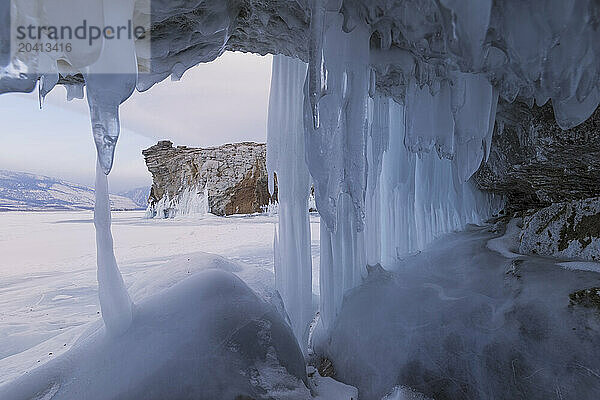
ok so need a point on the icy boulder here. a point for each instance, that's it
(207, 337)
(458, 321)
(566, 230)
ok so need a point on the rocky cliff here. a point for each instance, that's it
(535, 163)
(225, 180)
(549, 174)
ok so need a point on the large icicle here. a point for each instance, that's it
(110, 81)
(285, 159)
(316, 74)
(114, 300)
(336, 155)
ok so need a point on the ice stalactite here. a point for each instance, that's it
(455, 117)
(316, 73)
(285, 159)
(110, 81)
(116, 305)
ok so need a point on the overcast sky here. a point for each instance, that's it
(220, 102)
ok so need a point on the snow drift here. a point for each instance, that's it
(207, 337)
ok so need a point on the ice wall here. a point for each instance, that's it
(285, 158)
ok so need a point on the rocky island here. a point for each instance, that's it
(224, 180)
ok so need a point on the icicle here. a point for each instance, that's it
(376, 146)
(335, 151)
(109, 82)
(570, 113)
(285, 158)
(422, 197)
(467, 30)
(47, 83)
(316, 73)
(429, 119)
(473, 102)
(115, 303)
(74, 91)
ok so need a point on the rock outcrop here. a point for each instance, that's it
(566, 230)
(225, 180)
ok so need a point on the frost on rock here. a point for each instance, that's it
(568, 230)
(285, 159)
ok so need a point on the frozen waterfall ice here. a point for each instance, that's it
(388, 178)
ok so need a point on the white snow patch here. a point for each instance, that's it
(581, 265)
(508, 243)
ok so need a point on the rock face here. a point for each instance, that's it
(535, 163)
(567, 230)
(225, 180)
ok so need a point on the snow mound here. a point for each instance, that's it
(207, 337)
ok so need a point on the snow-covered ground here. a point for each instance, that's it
(48, 281)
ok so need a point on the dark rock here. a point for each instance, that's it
(586, 297)
(535, 163)
(326, 368)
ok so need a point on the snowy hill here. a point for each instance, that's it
(27, 192)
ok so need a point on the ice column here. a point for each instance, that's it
(114, 300)
(110, 81)
(285, 159)
(377, 144)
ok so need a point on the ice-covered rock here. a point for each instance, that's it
(568, 230)
(225, 180)
(207, 337)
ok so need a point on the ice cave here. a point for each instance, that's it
(446, 151)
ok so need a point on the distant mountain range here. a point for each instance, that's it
(138, 195)
(21, 191)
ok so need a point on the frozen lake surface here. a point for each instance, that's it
(48, 287)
